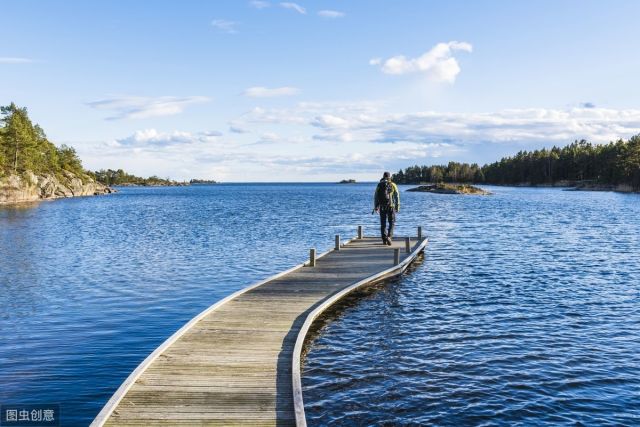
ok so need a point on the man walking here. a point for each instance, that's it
(387, 202)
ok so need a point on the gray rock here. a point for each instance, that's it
(29, 187)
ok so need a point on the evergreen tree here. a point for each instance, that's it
(614, 163)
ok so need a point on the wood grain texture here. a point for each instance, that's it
(234, 364)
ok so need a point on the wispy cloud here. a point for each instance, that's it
(365, 122)
(258, 4)
(15, 60)
(153, 138)
(321, 140)
(225, 26)
(264, 92)
(294, 6)
(138, 107)
(236, 129)
(438, 63)
(331, 14)
(516, 125)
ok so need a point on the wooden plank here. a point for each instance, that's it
(238, 362)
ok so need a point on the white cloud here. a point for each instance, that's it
(331, 14)
(152, 138)
(294, 6)
(302, 114)
(438, 63)
(516, 125)
(237, 129)
(321, 141)
(15, 60)
(225, 26)
(365, 122)
(269, 137)
(258, 4)
(326, 121)
(264, 92)
(138, 107)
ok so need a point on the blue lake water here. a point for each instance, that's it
(525, 309)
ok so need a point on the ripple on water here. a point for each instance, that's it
(525, 311)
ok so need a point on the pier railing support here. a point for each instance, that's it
(312, 257)
(337, 247)
(419, 233)
(360, 232)
(407, 244)
(396, 256)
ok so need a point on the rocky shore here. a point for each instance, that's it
(31, 188)
(450, 189)
(154, 184)
(619, 188)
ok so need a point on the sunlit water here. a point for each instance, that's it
(526, 308)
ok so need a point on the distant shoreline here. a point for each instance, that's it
(576, 186)
(564, 185)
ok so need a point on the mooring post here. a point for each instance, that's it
(419, 233)
(396, 256)
(360, 232)
(407, 244)
(312, 257)
(337, 242)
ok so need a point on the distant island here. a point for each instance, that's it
(347, 181)
(581, 165)
(32, 168)
(443, 188)
(202, 182)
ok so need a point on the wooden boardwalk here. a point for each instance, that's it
(238, 362)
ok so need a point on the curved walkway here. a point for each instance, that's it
(238, 362)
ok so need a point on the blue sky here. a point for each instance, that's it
(319, 91)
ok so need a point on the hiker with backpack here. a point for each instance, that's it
(387, 202)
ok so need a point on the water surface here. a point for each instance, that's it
(525, 308)
(526, 311)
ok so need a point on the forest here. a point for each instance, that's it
(581, 161)
(25, 147)
(111, 177)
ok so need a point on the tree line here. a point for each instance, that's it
(612, 164)
(111, 177)
(25, 147)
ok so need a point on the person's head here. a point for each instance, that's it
(386, 175)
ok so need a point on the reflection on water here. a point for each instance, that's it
(524, 308)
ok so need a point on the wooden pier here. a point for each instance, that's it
(238, 362)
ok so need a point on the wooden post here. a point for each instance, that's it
(360, 232)
(312, 257)
(407, 244)
(419, 233)
(337, 242)
(396, 256)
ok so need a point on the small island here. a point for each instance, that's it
(202, 182)
(347, 181)
(443, 188)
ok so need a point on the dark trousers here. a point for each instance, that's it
(387, 215)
